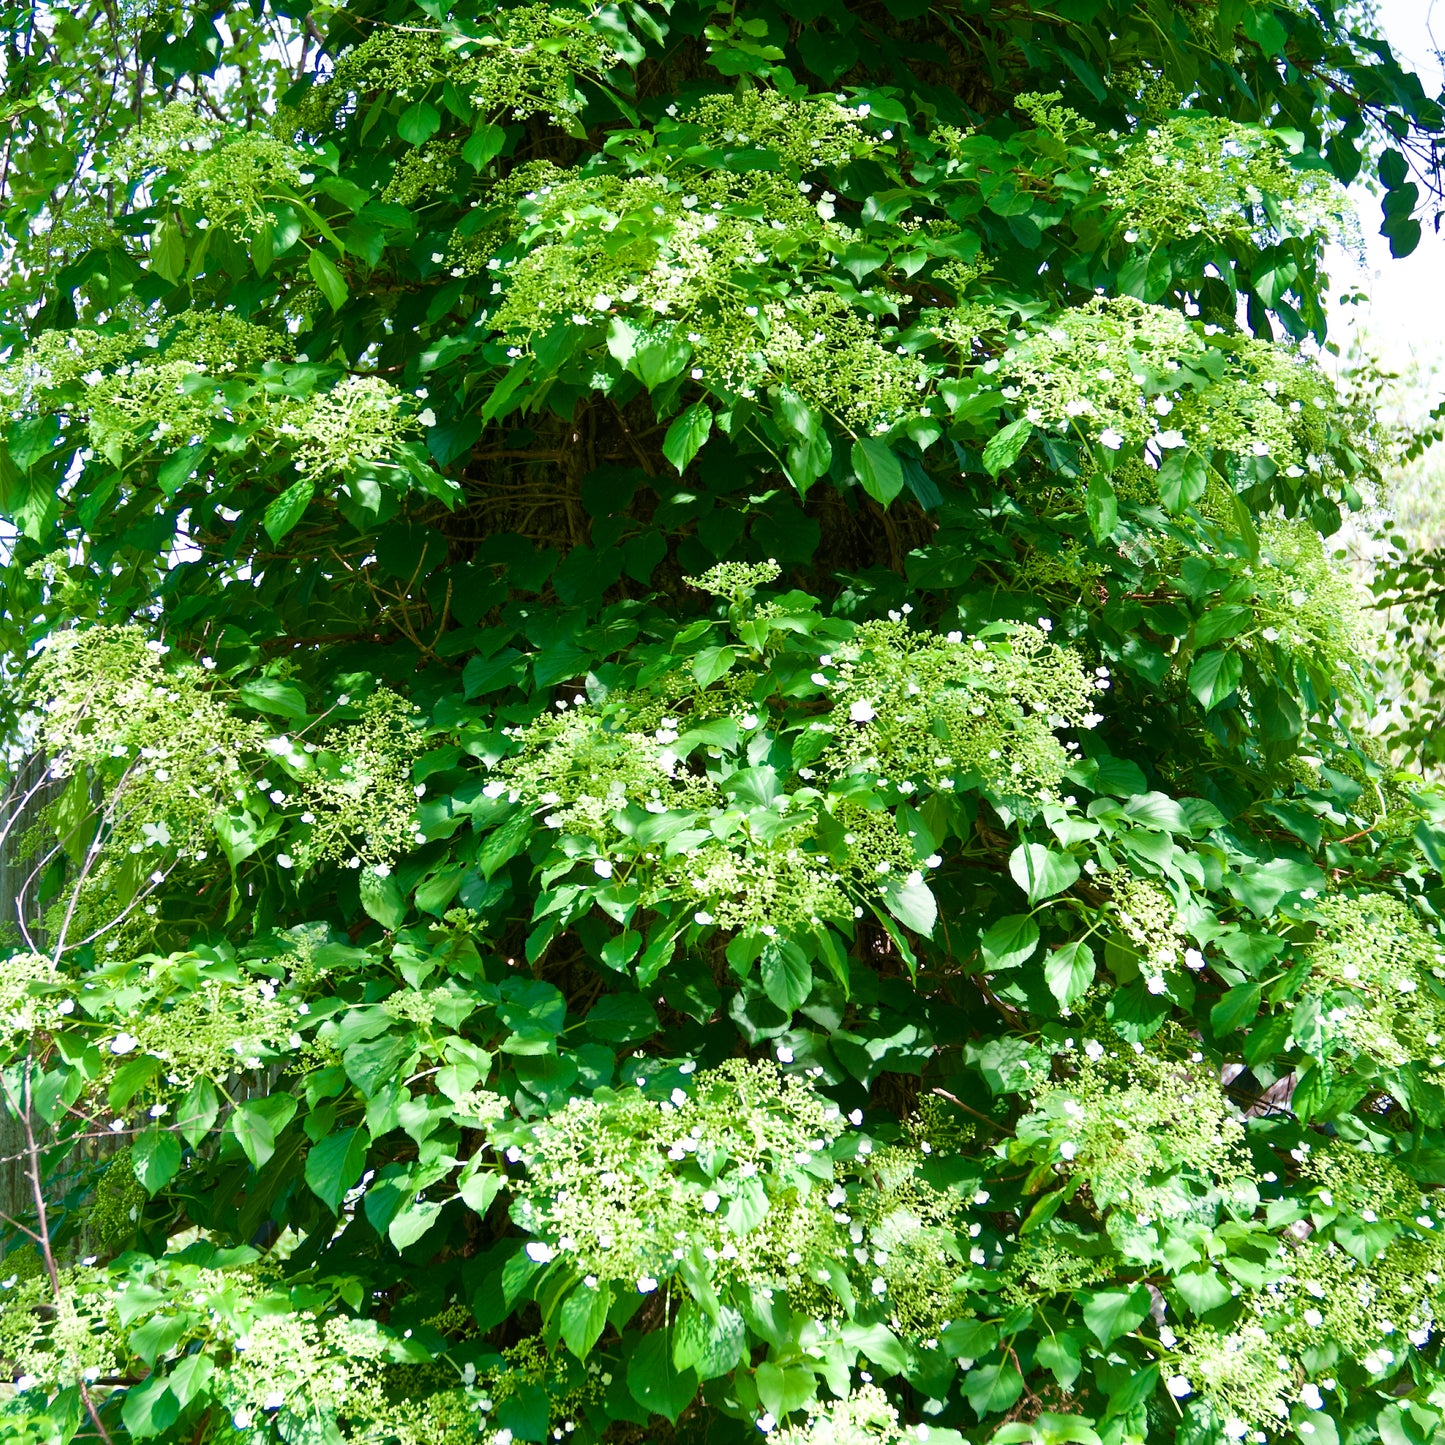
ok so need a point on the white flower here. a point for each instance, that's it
(749, 720)
(285, 860)
(1310, 1396)
(540, 1253)
(602, 868)
(1178, 1386)
(710, 1201)
(242, 1419)
(1193, 959)
(703, 917)
(1068, 1149)
(861, 711)
(646, 1284)
(427, 417)
(1111, 439)
(601, 302)
(123, 1043)
(1169, 439)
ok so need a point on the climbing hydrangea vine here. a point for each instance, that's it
(685, 739)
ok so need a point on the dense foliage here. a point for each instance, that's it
(698, 775)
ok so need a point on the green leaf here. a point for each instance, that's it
(1059, 1353)
(31, 438)
(968, 1338)
(1394, 169)
(747, 1208)
(878, 469)
(1236, 1008)
(270, 694)
(263, 248)
(622, 1018)
(254, 1130)
(786, 973)
(190, 1377)
(584, 1317)
(1041, 872)
(1215, 676)
(479, 1189)
(329, 281)
(1005, 447)
(1110, 1313)
(288, 509)
(1101, 506)
(1202, 1289)
(168, 251)
(689, 430)
(335, 1164)
(711, 1347)
(411, 1222)
(912, 904)
(1182, 479)
(1069, 971)
(784, 1388)
(149, 1409)
(198, 1112)
(482, 675)
(655, 1382)
(991, 1389)
(382, 898)
(156, 1157)
(504, 842)
(177, 468)
(484, 145)
(712, 663)
(652, 358)
(1010, 942)
(418, 123)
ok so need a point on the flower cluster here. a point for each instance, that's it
(1156, 1142)
(234, 180)
(919, 709)
(1219, 179)
(1150, 921)
(908, 711)
(361, 419)
(1124, 374)
(1374, 971)
(737, 1165)
(1241, 1373)
(865, 1417)
(356, 785)
(520, 61)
